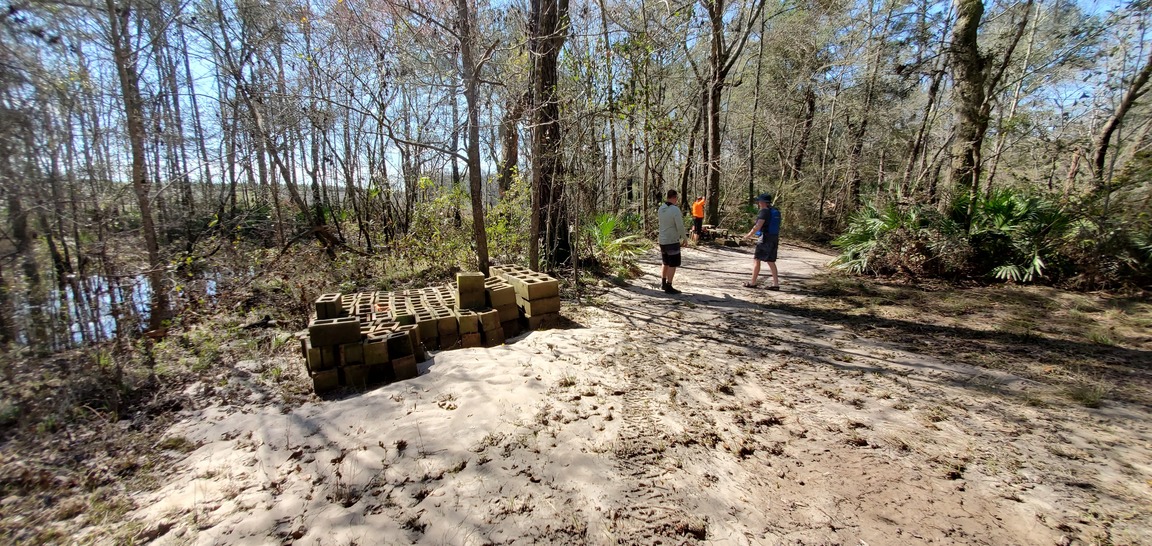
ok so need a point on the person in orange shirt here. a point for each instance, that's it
(697, 218)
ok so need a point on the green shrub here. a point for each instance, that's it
(1017, 237)
(509, 223)
(906, 239)
(608, 247)
(1011, 237)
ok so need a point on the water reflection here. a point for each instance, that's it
(98, 308)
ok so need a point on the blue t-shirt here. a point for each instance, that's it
(771, 218)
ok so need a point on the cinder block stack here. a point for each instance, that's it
(492, 334)
(502, 298)
(325, 349)
(446, 328)
(366, 338)
(470, 293)
(468, 324)
(537, 295)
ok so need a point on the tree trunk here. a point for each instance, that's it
(548, 30)
(465, 21)
(721, 58)
(968, 72)
(613, 165)
(805, 131)
(127, 71)
(755, 113)
(1104, 139)
(686, 174)
(510, 142)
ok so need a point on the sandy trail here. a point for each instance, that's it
(712, 417)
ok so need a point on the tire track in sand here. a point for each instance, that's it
(650, 512)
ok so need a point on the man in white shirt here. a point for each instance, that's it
(671, 234)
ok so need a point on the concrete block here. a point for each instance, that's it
(384, 324)
(446, 321)
(508, 312)
(376, 351)
(511, 328)
(470, 301)
(539, 307)
(325, 381)
(470, 282)
(447, 343)
(538, 287)
(468, 321)
(302, 339)
(328, 306)
(378, 373)
(493, 337)
(330, 357)
(426, 322)
(418, 349)
(500, 294)
(336, 331)
(399, 344)
(470, 340)
(354, 376)
(405, 316)
(541, 322)
(314, 360)
(404, 368)
(382, 313)
(489, 319)
(507, 272)
(352, 354)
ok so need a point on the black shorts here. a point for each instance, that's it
(766, 251)
(698, 224)
(670, 255)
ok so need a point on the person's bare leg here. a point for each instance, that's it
(775, 278)
(671, 273)
(755, 270)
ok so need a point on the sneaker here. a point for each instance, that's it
(669, 290)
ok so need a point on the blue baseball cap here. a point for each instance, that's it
(765, 197)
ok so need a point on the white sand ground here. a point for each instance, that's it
(713, 417)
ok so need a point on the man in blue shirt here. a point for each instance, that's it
(767, 233)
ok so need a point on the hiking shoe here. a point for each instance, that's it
(669, 290)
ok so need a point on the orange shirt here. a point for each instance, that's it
(698, 209)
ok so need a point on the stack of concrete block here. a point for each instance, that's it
(327, 347)
(406, 350)
(470, 293)
(492, 334)
(371, 337)
(447, 331)
(426, 325)
(468, 322)
(502, 298)
(537, 295)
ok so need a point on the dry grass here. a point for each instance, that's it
(1046, 334)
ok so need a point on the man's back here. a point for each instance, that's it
(671, 224)
(698, 209)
